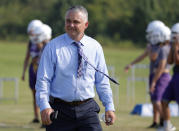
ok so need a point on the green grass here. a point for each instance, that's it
(17, 116)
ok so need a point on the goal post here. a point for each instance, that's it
(137, 77)
(13, 80)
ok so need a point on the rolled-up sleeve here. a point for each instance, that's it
(44, 78)
(102, 82)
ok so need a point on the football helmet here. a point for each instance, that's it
(41, 33)
(151, 27)
(175, 32)
(156, 36)
(32, 25)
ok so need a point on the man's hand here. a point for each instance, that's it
(45, 116)
(109, 117)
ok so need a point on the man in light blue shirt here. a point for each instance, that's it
(59, 86)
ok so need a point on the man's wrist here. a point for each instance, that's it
(110, 107)
(44, 106)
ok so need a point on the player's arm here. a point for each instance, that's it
(26, 62)
(176, 54)
(158, 73)
(137, 60)
(170, 58)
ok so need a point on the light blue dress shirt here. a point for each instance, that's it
(57, 73)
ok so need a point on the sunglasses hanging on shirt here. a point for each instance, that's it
(110, 78)
(80, 52)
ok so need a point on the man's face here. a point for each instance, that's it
(75, 24)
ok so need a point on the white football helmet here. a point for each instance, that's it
(41, 33)
(151, 27)
(175, 28)
(156, 36)
(175, 31)
(37, 32)
(32, 25)
(47, 32)
(160, 35)
(154, 24)
(166, 32)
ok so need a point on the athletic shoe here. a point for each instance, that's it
(161, 122)
(171, 128)
(42, 126)
(35, 120)
(154, 125)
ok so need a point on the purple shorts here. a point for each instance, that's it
(160, 87)
(32, 77)
(172, 90)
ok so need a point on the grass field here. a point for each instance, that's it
(17, 116)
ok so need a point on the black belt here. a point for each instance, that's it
(73, 103)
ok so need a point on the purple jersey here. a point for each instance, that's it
(163, 55)
(154, 49)
(34, 51)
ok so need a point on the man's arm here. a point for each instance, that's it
(44, 79)
(103, 89)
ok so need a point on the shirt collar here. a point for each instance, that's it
(83, 40)
(69, 40)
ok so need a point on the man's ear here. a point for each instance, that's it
(86, 24)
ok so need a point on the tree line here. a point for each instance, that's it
(116, 20)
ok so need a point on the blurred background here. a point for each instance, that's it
(111, 21)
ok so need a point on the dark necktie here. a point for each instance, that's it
(80, 63)
(82, 56)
